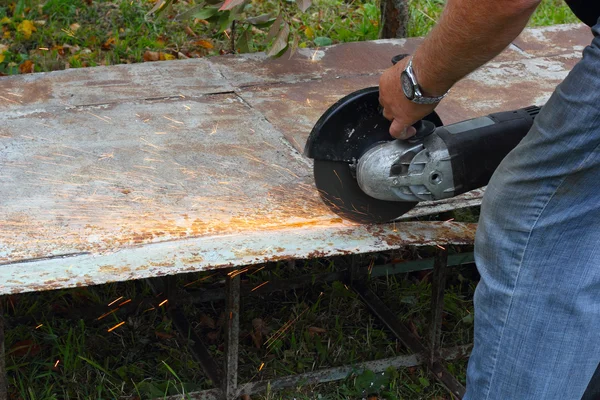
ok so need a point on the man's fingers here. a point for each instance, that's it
(387, 115)
(401, 131)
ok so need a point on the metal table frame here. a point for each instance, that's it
(225, 377)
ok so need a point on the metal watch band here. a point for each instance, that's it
(418, 96)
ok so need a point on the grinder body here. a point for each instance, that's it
(444, 161)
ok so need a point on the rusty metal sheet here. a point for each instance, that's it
(294, 108)
(327, 238)
(101, 182)
(102, 85)
(96, 179)
(342, 60)
(503, 86)
(554, 40)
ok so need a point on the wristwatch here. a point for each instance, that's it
(412, 90)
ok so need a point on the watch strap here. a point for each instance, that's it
(418, 97)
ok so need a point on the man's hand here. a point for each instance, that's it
(396, 107)
(468, 34)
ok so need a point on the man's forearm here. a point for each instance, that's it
(468, 34)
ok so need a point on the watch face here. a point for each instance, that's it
(407, 86)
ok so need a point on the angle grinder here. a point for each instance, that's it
(365, 175)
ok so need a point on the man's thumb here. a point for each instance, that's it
(401, 131)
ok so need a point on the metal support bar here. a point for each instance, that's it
(196, 346)
(201, 295)
(335, 373)
(3, 383)
(181, 323)
(437, 303)
(407, 338)
(232, 337)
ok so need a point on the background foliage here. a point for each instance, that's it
(46, 35)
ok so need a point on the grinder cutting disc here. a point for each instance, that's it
(340, 137)
(340, 191)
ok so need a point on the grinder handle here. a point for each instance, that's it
(476, 147)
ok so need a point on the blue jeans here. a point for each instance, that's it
(537, 306)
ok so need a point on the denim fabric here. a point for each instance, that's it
(537, 306)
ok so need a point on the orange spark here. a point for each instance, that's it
(106, 314)
(441, 247)
(114, 301)
(105, 119)
(261, 367)
(259, 286)
(9, 100)
(56, 363)
(105, 156)
(163, 302)
(199, 280)
(116, 326)
(125, 302)
(172, 120)
(260, 269)
(235, 273)
(339, 179)
(39, 326)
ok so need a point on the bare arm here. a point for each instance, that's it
(468, 34)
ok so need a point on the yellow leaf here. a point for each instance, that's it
(26, 28)
(309, 33)
(167, 56)
(204, 43)
(4, 20)
(2, 58)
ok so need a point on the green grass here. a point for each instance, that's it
(87, 33)
(145, 357)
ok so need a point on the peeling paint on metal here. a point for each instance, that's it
(134, 171)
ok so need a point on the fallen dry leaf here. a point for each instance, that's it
(204, 43)
(24, 348)
(26, 67)
(163, 335)
(60, 50)
(166, 56)
(314, 330)
(3, 48)
(109, 44)
(260, 326)
(151, 56)
(26, 28)
(74, 27)
(257, 339)
(206, 321)
(212, 336)
(158, 56)
(190, 31)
